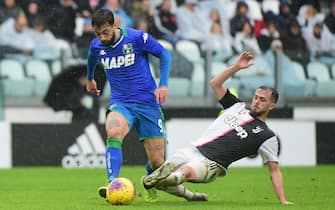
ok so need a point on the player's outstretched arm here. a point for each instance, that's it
(91, 85)
(277, 182)
(161, 93)
(217, 82)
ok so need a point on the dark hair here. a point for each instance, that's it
(274, 92)
(102, 17)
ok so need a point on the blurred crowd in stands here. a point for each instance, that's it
(48, 29)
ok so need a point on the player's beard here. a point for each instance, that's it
(111, 41)
(257, 113)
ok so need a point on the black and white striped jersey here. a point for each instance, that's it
(236, 134)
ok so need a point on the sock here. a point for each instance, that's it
(149, 168)
(180, 191)
(114, 158)
(175, 178)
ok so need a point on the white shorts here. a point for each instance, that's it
(206, 170)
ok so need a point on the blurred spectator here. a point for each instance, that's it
(84, 41)
(308, 16)
(142, 24)
(268, 34)
(47, 6)
(259, 25)
(330, 19)
(15, 40)
(86, 7)
(32, 10)
(294, 44)
(166, 22)
(84, 106)
(246, 40)
(44, 41)
(284, 17)
(219, 43)
(214, 16)
(240, 17)
(61, 20)
(9, 9)
(192, 24)
(320, 43)
(297, 4)
(114, 6)
(142, 12)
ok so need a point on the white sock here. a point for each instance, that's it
(179, 191)
(174, 179)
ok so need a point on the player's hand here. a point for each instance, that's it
(161, 94)
(91, 87)
(244, 61)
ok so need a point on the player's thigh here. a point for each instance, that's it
(149, 122)
(204, 170)
(119, 121)
(151, 131)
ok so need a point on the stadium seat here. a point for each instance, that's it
(293, 87)
(255, 12)
(38, 69)
(190, 50)
(179, 87)
(320, 72)
(271, 5)
(310, 85)
(167, 45)
(217, 67)
(107, 91)
(47, 53)
(198, 81)
(56, 67)
(14, 80)
(40, 72)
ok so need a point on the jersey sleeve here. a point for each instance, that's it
(92, 61)
(228, 100)
(149, 45)
(269, 150)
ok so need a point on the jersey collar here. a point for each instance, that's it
(122, 35)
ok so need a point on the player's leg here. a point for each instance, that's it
(118, 123)
(155, 153)
(151, 131)
(116, 129)
(178, 160)
(197, 169)
(182, 191)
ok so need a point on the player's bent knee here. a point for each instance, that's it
(205, 170)
(116, 133)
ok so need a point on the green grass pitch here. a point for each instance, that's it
(44, 188)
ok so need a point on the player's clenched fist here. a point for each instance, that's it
(91, 87)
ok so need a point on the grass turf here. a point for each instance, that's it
(43, 188)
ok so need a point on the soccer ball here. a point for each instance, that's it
(121, 191)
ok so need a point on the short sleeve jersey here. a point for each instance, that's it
(236, 134)
(127, 66)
